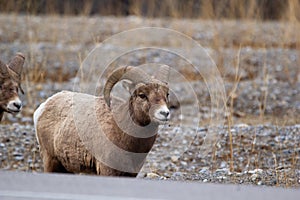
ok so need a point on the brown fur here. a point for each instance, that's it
(61, 147)
(9, 89)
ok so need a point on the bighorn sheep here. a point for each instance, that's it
(10, 83)
(81, 133)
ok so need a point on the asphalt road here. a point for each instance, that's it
(20, 185)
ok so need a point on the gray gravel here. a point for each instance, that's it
(262, 155)
(18, 148)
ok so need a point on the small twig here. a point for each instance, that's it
(276, 172)
(232, 96)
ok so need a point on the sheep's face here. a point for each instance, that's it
(149, 103)
(9, 98)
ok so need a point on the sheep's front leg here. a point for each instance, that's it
(104, 170)
(53, 165)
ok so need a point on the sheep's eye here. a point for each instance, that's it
(168, 95)
(142, 96)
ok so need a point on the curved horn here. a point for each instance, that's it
(16, 64)
(3, 69)
(134, 74)
(163, 73)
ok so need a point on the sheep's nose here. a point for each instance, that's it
(164, 113)
(18, 105)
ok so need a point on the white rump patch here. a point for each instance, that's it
(39, 111)
(36, 115)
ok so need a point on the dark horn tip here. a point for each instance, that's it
(108, 103)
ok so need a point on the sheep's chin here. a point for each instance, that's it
(9, 110)
(12, 111)
(160, 121)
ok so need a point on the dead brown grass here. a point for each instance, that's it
(207, 9)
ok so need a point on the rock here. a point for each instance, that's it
(204, 170)
(152, 175)
(19, 158)
(255, 171)
(183, 163)
(177, 174)
(223, 164)
(259, 183)
(254, 177)
(174, 158)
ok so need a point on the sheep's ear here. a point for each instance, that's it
(128, 85)
(3, 70)
(16, 65)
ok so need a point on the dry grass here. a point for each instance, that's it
(49, 42)
(207, 9)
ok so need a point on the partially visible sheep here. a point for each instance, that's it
(67, 126)
(10, 83)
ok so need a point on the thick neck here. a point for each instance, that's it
(134, 136)
(128, 121)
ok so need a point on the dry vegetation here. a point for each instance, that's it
(205, 9)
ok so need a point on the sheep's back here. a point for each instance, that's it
(65, 116)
